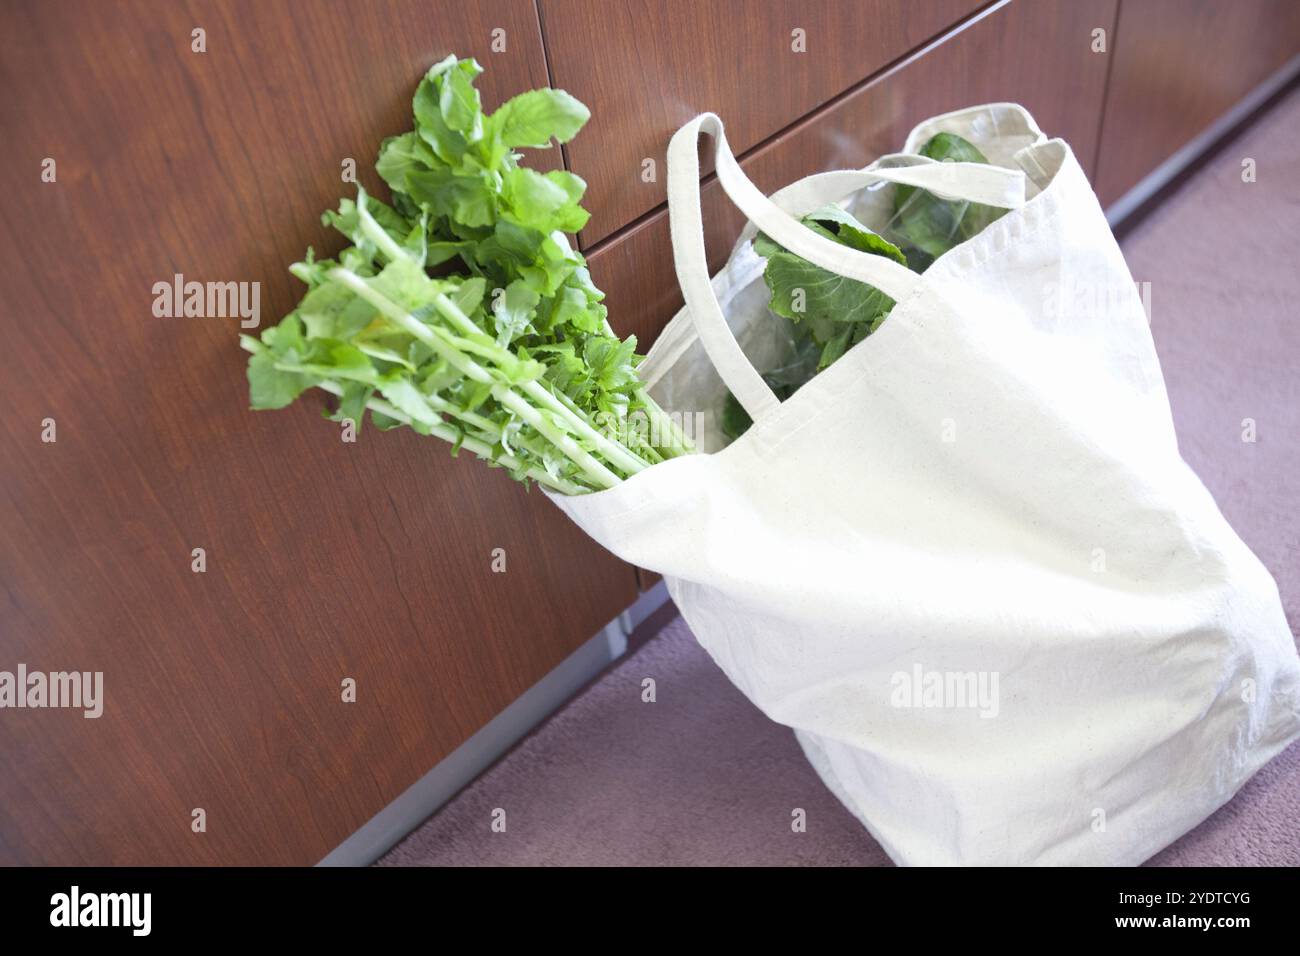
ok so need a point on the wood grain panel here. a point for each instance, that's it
(1037, 53)
(645, 580)
(325, 560)
(645, 67)
(1179, 66)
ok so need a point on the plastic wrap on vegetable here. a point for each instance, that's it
(829, 314)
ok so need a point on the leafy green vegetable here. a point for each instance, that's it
(836, 312)
(832, 313)
(928, 226)
(512, 357)
(783, 381)
(533, 118)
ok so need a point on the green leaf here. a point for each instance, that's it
(386, 355)
(735, 420)
(349, 362)
(510, 246)
(347, 220)
(331, 311)
(845, 229)
(544, 202)
(473, 202)
(446, 143)
(932, 225)
(513, 310)
(949, 147)
(384, 423)
(573, 186)
(406, 284)
(538, 116)
(469, 200)
(402, 394)
(439, 252)
(286, 337)
(270, 388)
(570, 308)
(836, 346)
(944, 147)
(805, 292)
(468, 294)
(352, 404)
(784, 382)
(399, 156)
(840, 226)
(765, 246)
(610, 362)
(458, 101)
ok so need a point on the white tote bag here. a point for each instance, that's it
(966, 562)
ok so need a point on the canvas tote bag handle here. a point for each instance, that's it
(958, 180)
(972, 182)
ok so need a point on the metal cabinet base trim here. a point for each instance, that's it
(1194, 149)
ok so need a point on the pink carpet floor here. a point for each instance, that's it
(700, 777)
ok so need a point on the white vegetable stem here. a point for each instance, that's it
(618, 455)
(592, 468)
(674, 440)
(468, 442)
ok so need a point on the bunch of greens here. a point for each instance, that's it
(829, 313)
(507, 351)
(924, 225)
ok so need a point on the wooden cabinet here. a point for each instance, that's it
(1179, 66)
(324, 560)
(646, 68)
(1053, 72)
